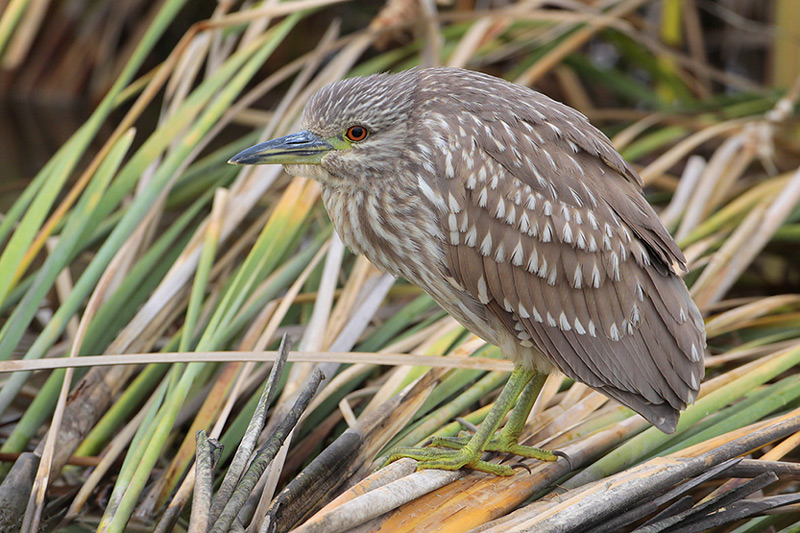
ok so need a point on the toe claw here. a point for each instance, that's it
(521, 465)
(565, 456)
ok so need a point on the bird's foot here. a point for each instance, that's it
(520, 393)
(500, 445)
(462, 457)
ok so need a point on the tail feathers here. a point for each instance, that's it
(662, 415)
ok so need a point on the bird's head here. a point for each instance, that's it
(354, 131)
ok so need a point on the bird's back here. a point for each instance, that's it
(546, 226)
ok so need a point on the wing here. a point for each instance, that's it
(548, 228)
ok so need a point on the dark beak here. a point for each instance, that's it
(304, 148)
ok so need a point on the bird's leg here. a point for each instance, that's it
(508, 440)
(470, 454)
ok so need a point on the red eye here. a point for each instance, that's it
(356, 133)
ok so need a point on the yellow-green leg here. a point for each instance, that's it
(508, 440)
(523, 385)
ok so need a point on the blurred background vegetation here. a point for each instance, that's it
(125, 237)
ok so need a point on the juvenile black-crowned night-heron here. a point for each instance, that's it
(521, 220)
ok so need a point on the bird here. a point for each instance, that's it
(523, 222)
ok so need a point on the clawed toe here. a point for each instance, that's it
(454, 443)
(448, 459)
(450, 453)
(565, 456)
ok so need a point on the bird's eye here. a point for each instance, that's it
(356, 133)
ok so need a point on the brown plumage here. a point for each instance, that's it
(520, 219)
